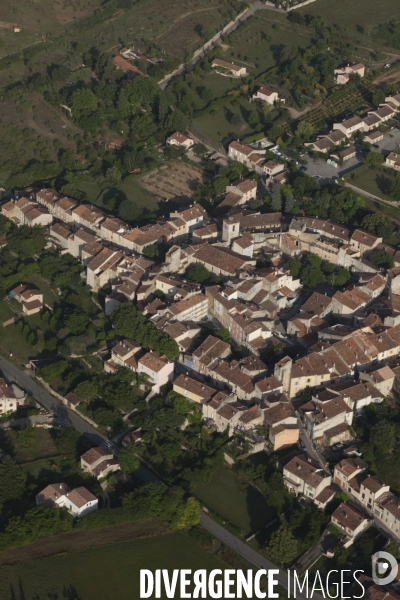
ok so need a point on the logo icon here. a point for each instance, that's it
(386, 562)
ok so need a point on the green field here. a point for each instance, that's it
(261, 43)
(374, 181)
(14, 341)
(105, 573)
(216, 127)
(41, 446)
(129, 188)
(240, 504)
(354, 14)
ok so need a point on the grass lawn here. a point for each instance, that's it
(40, 447)
(217, 127)
(129, 188)
(5, 311)
(259, 44)
(14, 341)
(44, 286)
(133, 191)
(105, 573)
(242, 505)
(373, 181)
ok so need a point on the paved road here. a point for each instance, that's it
(253, 557)
(64, 415)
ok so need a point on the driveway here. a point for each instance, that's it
(34, 420)
(326, 172)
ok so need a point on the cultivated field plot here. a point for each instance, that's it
(105, 573)
(177, 181)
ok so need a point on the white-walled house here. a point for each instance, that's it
(267, 95)
(302, 476)
(99, 462)
(78, 502)
(179, 139)
(350, 521)
(159, 369)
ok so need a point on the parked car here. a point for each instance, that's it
(337, 447)
(302, 445)
(303, 169)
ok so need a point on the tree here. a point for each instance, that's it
(207, 95)
(304, 130)
(374, 159)
(236, 170)
(289, 202)
(131, 323)
(219, 184)
(283, 546)
(198, 273)
(189, 515)
(113, 175)
(223, 334)
(254, 118)
(314, 260)
(294, 267)
(83, 102)
(393, 189)
(276, 197)
(181, 405)
(311, 276)
(377, 224)
(345, 204)
(340, 278)
(274, 132)
(382, 435)
(378, 97)
(86, 390)
(12, 480)
(66, 440)
(381, 258)
(77, 322)
(128, 459)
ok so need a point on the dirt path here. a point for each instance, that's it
(82, 540)
(58, 114)
(7, 25)
(295, 114)
(181, 19)
(395, 75)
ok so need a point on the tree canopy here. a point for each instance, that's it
(131, 323)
